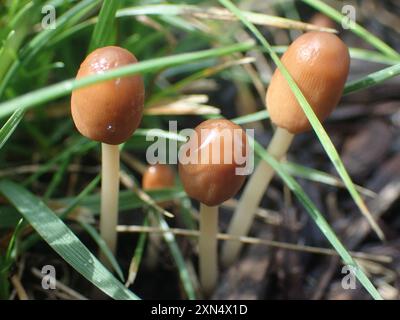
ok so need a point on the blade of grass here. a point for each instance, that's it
(217, 14)
(356, 53)
(169, 238)
(63, 88)
(357, 29)
(314, 121)
(318, 219)
(372, 79)
(320, 177)
(104, 28)
(9, 127)
(137, 256)
(256, 116)
(63, 240)
(103, 248)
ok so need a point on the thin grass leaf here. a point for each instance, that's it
(318, 219)
(217, 14)
(57, 178)
(9, 127)
(356, 53)
(137, 256)
(103, 248)
(320, 177)
(256, 116)
(357, 29)
(63, 240)
(372, 79)
(184, 275)
(313, 119)
(127, 200)
(64, 88)
(103, 31)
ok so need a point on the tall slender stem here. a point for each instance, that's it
(208, 264)
(109, 194)
(252, 195)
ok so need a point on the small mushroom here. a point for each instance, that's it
(108, 112)
(211, 176)
(157, 176)
(319, 64)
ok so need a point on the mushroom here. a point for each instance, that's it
(210, 173)
(319, 63)
(157, 176)
(108, 112)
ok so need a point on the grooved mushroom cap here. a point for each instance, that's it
(108, 111)
(158, 176)
(319, 63)
(219, 148)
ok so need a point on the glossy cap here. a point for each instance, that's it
(158, 176)
(108, 111)
(319, 63)
(219, 148)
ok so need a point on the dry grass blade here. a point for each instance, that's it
(216, 13)
(188, 105)
(250, 240)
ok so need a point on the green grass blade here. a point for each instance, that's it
(178, 258)
(357, 53)
(314, 121)
(103, 248)
(372, 79)
(311, 174)
(256, 116)
(9, 127)
(64, 88)
(358, 30)
(318, 219)
(103, 31)
(63, 240)
(137, 256)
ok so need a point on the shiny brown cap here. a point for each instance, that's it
(158, 176)
(217, 147)
(108, 111)
(319, 63)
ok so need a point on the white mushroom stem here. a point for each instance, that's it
(208, 264)
(109, 194)
(252, 195)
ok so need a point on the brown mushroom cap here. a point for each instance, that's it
(158, 176)
(319, 63)
(108, 111)
(213, 179)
